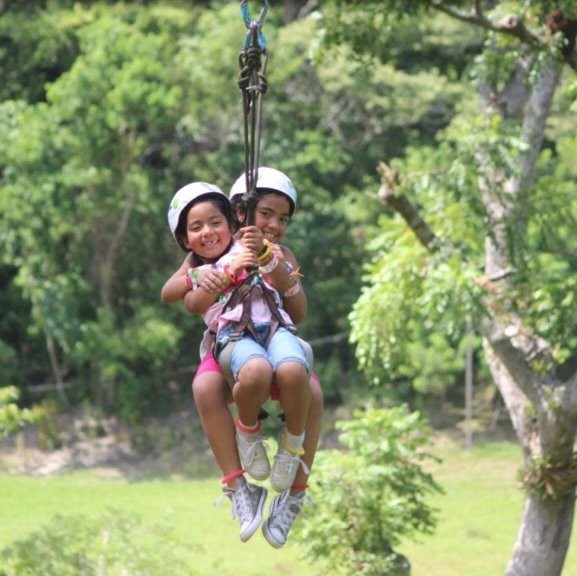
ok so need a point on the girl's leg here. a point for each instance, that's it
(211, 396)
(253, 373)
(295, 395)
(251, 390)
(285, 507)
(312, 434)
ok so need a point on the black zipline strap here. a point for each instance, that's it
(252, 83)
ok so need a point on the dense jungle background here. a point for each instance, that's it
(107, 108)
(434, 150)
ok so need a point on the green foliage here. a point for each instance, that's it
(12, 417)
(372, 495)
(113, 543)
(410, 293)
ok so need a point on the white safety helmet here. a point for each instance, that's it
(184, 197)
(268, 179)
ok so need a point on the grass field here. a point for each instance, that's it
(479, 515)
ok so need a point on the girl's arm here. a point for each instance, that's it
(176, 286)
(211, 284)
(215, 281)
(286, 282)
(184, 283)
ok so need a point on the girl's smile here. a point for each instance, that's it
(272, 216)
(208, 233)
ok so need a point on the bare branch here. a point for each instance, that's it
(510, 25)
(514, 360)
(402, 205)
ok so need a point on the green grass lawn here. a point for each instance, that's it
(479, 516)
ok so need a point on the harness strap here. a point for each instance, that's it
(243, 295)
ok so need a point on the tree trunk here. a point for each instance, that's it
(542, 409)
(543, 538)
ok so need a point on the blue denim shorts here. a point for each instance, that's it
(283, 347)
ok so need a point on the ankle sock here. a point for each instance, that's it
(292, 442)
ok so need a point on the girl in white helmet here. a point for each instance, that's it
(276, 202)
(200, 226)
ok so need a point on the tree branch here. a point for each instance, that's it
(510, 25)
(402, 205)
(514, 360)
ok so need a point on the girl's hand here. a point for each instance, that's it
(277, 251)
(243, 260)
(252, 238)
(213, 281)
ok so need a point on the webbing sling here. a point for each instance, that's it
(243, 295)
(252, 83)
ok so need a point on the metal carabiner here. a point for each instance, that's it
(245, 11)
(254, 36)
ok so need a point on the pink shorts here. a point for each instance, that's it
(209, 364)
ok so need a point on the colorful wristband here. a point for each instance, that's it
(229, 275)
(192, 278)
(265, 253)
(292, 291)
(269, 266)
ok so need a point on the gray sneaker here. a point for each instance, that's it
(253, 456)
(247, 504)
(282, 514)
(285, 466)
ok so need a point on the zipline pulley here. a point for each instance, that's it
(252, 83)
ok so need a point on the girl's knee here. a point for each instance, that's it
(209, 388)
(292, 371)
(256, 372)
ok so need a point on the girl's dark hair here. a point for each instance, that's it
(238, 201)
(219, 201)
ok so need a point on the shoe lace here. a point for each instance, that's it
(226, 493)
(241, 503)
(289, 458)
(289, 507)
(250, 448)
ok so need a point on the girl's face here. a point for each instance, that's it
(272, 216)
(208, 232)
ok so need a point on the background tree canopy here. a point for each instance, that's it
(433, 147)
(109, 108)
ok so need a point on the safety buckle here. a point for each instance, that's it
(254, 36)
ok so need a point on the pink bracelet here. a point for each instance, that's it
(292, 291)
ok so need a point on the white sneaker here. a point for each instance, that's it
(253, 456)
(285, 466)
(282, 514)
(247, 504)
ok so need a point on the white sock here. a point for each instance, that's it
(294, 443)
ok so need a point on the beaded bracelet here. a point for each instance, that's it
(269, 266)
(265, 253)
(192, 278)
(229, 275)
